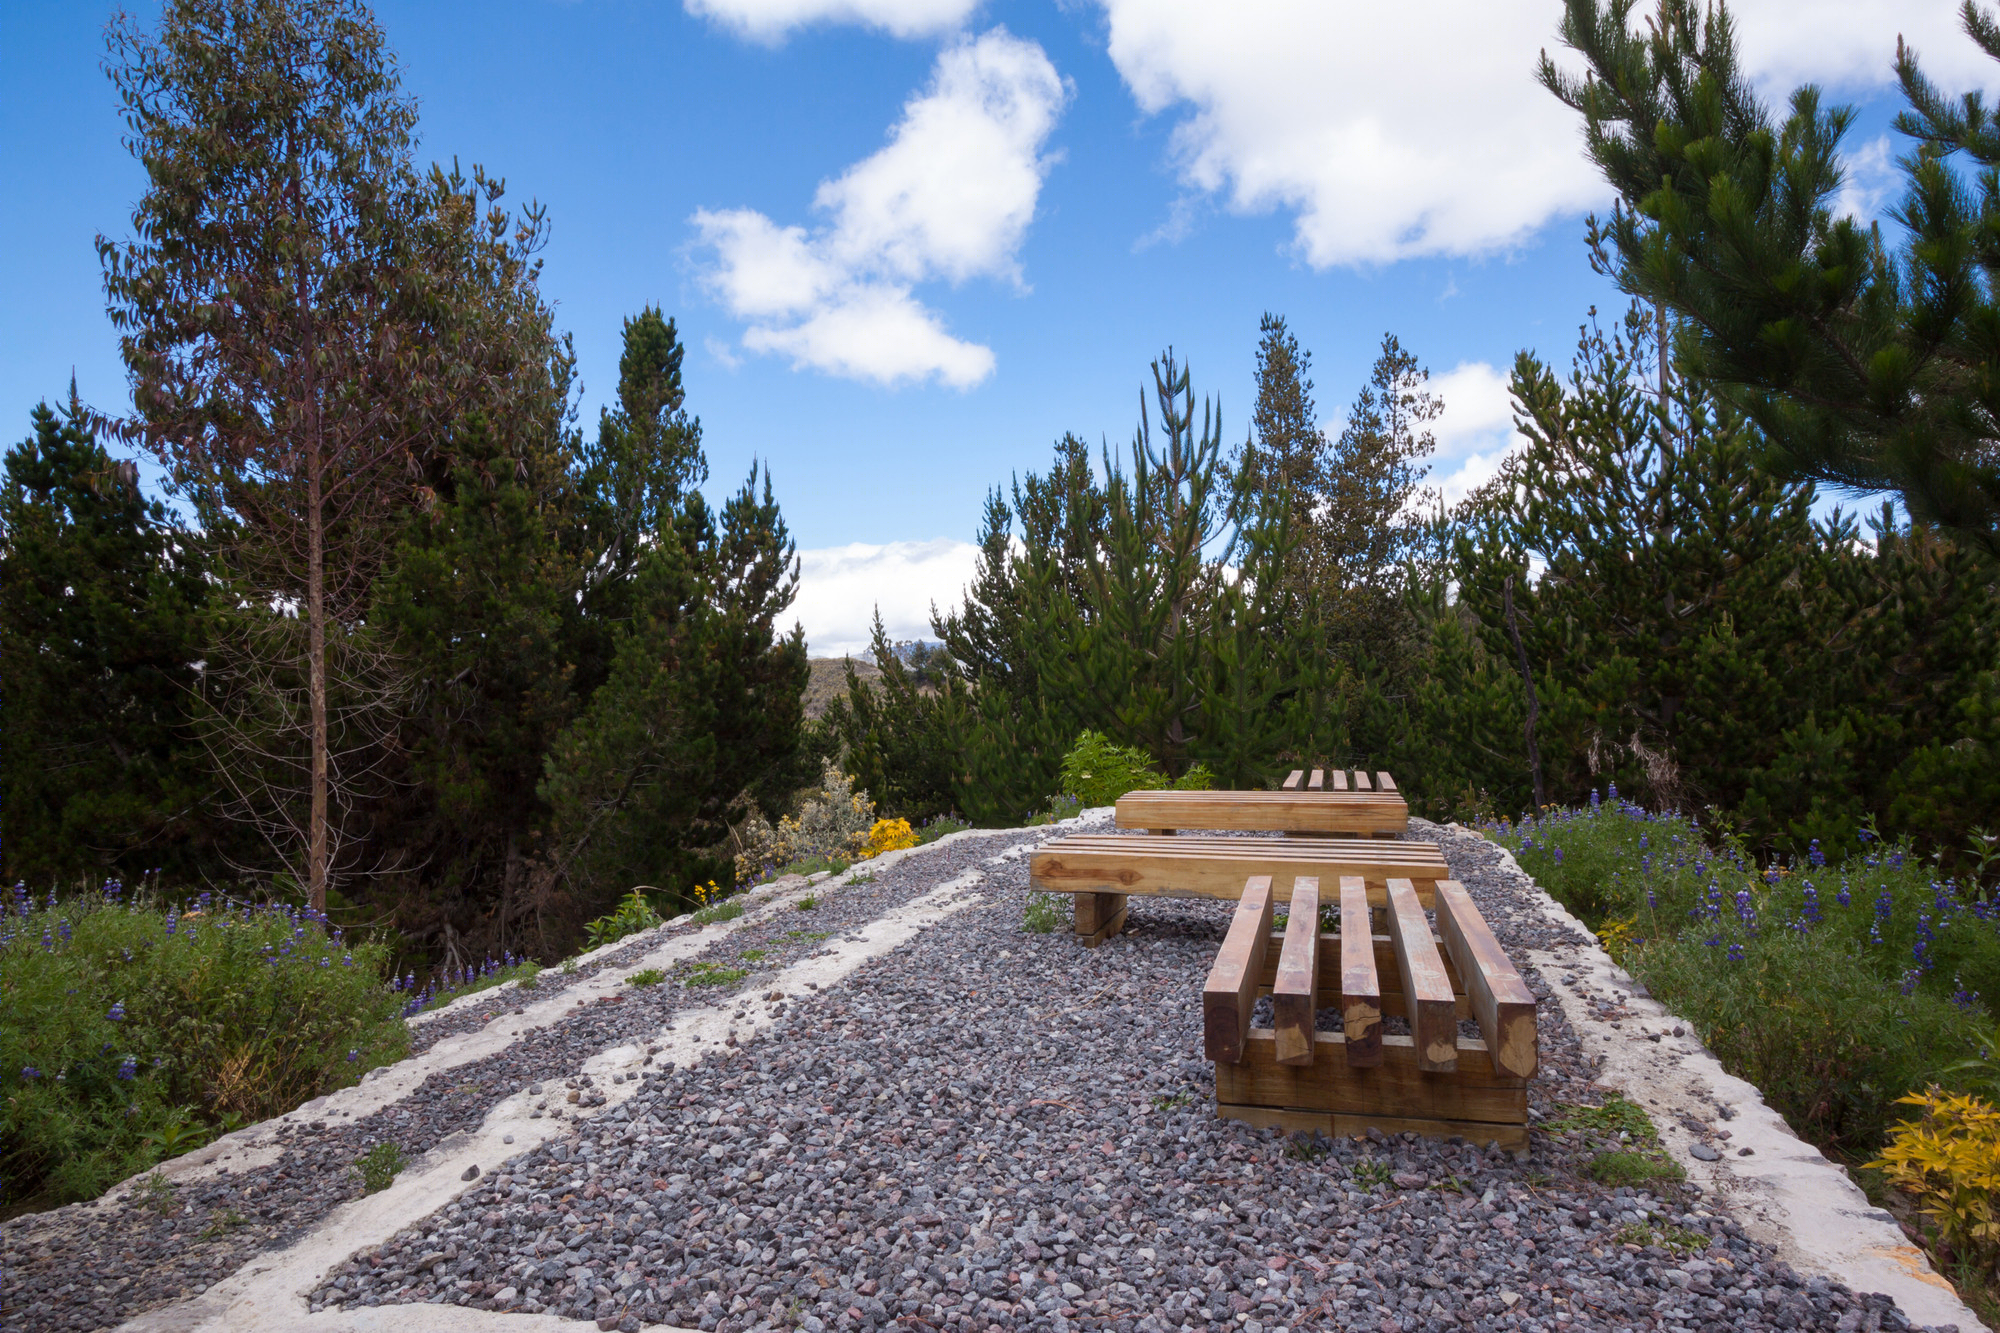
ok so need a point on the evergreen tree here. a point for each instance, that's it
(1862, 367)
(101, 638)
(892, 732)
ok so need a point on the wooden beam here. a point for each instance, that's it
(1360, 983)
(1099, 916)
(1360, 780)
(1195, 866)
(1295, 989)
(1426, 988)
(1294, 778)
(1339, 779)
(1316, 781)
(1231, 989)
(1397, 1087)
(1499, 999)
(1383, 782)
(1512, 1138)
(1351, 813)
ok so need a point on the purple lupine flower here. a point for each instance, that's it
(1735, 953)
(1812, 914)
(1844, 898)
(128, 1068)
(117, 1014)
(352, 1056)
(1746, 911)
(173, 921)
(1559, 855)
(29, 1071)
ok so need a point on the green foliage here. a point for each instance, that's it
(943, 826)
(726, 910)
(1679, 1240)
(651, 976)
(1372, 1171)
(130, 1033)
(892, 734)
(379, 1167)
(100, 606)
(713, 974)
(1097, 772)
(1613, 1169)
(1044, 912)
(1834, 988)
(632, 915)
(1059, 808)
(1864, 368)
(809, 903)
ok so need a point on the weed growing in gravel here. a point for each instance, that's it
(651, 976)
(155, 1194)
(1633, 1168)
(727, 910)
(754, 955)
(1618, 1115)
(1173, 1101)
(132, 1031)
(1043, 913)
(222, 1223)
(569, 967)
(1304, 1147)
(1371, 1171)
(1678, 1239)
(808, 935)
(714, 974)
(380, 1166)
(809, 903)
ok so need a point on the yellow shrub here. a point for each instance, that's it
(888, 835)
(1950, 1160)
(1617, 937)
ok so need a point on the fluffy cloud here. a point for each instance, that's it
(949, 197)
(1395, 131)
(1475, 432)
(772, 20)
(840, 588)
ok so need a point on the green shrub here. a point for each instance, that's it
(1836, 989)
(379, 1167)
(651, 976)
(714, 974)
(726, 910)
(129, 1033)
(1097, 772)
(632, 915)
(942, 826)
(1059, 808)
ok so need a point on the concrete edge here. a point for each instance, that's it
(1785, 1192)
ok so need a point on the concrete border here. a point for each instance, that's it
(1782, 1190)
(268, 1291)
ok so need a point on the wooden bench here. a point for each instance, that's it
(1432, 1081)
(1101, 870)
(1336, 780)
(1310, 813)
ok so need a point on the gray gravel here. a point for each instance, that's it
(983, 1129)
(989, 1128)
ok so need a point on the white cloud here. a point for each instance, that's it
(773, 20)
(949, 197)
(841, 586)
(1395, 131)
(1871, 177)
(1475, 432)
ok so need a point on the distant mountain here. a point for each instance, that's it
(829, 678)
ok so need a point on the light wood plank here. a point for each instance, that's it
(1339, 780)
(1095, 913)
(1295, 987)
(1511, 1138)
(1360, 982)
(1294, 778)
(1475, 1091)
(1498, 997)
(1383, 782)
(1265, 811)
(1230, 992)
(1316, 781)
(1360, 781)
(1193, 866)
(1426, 988)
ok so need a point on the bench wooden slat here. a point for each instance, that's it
(1339, 780)
(1385, 966)
(1293, 779)
(1383, 782)
(1498, 997)
(1433, 1016)
(1215, 867)
(1231, 989)
(1360, 983)
(1350, 813)
(1360, 780)
(1395, 1087)
(1316, 781)
(1295, 987)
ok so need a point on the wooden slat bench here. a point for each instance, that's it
(1315, 813)
(1102, 869)
(1336, 781)
(1432, 1081)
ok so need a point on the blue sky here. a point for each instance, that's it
(911, 242)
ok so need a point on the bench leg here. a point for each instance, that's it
(1099, 916)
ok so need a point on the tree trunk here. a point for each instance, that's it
(316, 850)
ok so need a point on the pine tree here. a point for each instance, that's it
(101, 634)
(1863, 368)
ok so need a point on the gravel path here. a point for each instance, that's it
(985, 1128)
